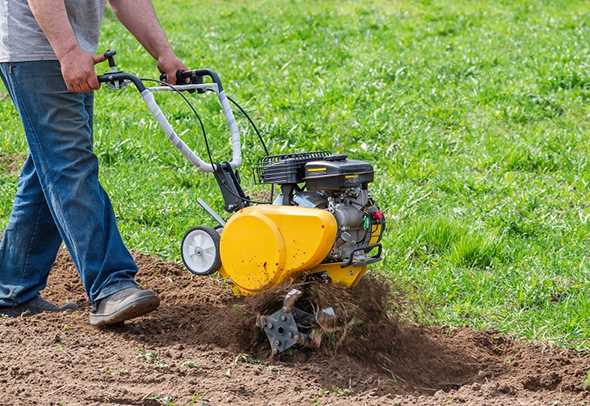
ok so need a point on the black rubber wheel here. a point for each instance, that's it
(200, 251)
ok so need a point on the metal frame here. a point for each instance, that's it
(118, 79)
(165, 125)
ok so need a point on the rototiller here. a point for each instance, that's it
(323, 224)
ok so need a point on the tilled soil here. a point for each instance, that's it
(201, 347)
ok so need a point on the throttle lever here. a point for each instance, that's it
(113, 81)
(110, 56)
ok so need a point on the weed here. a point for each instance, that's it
(341, 391)
(247, 359)
(190, 364)
(151, 358)
(164, 400)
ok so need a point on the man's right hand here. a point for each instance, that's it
(77, 69)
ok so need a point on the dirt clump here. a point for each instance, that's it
(202, 347)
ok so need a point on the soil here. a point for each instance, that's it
(10, 163)
(202, 348)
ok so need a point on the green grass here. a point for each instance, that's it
(475, 115)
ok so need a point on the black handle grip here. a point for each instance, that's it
(195, 77)
(121, 77)
(182, 77)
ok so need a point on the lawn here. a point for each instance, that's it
(475, 115)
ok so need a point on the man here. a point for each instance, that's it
(47, 58)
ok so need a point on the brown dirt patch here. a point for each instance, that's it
(11, 163)
(202, 346)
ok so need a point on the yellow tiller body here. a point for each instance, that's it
(265, 246)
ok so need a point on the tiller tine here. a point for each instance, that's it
(290, 325)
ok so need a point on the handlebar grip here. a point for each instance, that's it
(181, 77)
(195, 77)
(120, 78)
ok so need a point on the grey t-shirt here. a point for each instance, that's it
(21, 38)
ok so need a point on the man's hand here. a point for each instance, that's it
(77, 68)
(170, 64)
(140, 19)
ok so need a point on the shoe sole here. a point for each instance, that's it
(138, 307)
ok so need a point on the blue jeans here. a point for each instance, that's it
(59, 197)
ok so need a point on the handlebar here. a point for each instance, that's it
(117, 79)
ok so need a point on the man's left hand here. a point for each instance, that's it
(170, 64)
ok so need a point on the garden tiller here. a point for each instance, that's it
(322, 225)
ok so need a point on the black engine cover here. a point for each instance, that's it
(337, 173)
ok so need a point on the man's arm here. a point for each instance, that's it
(140, 19)
(77, 66)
